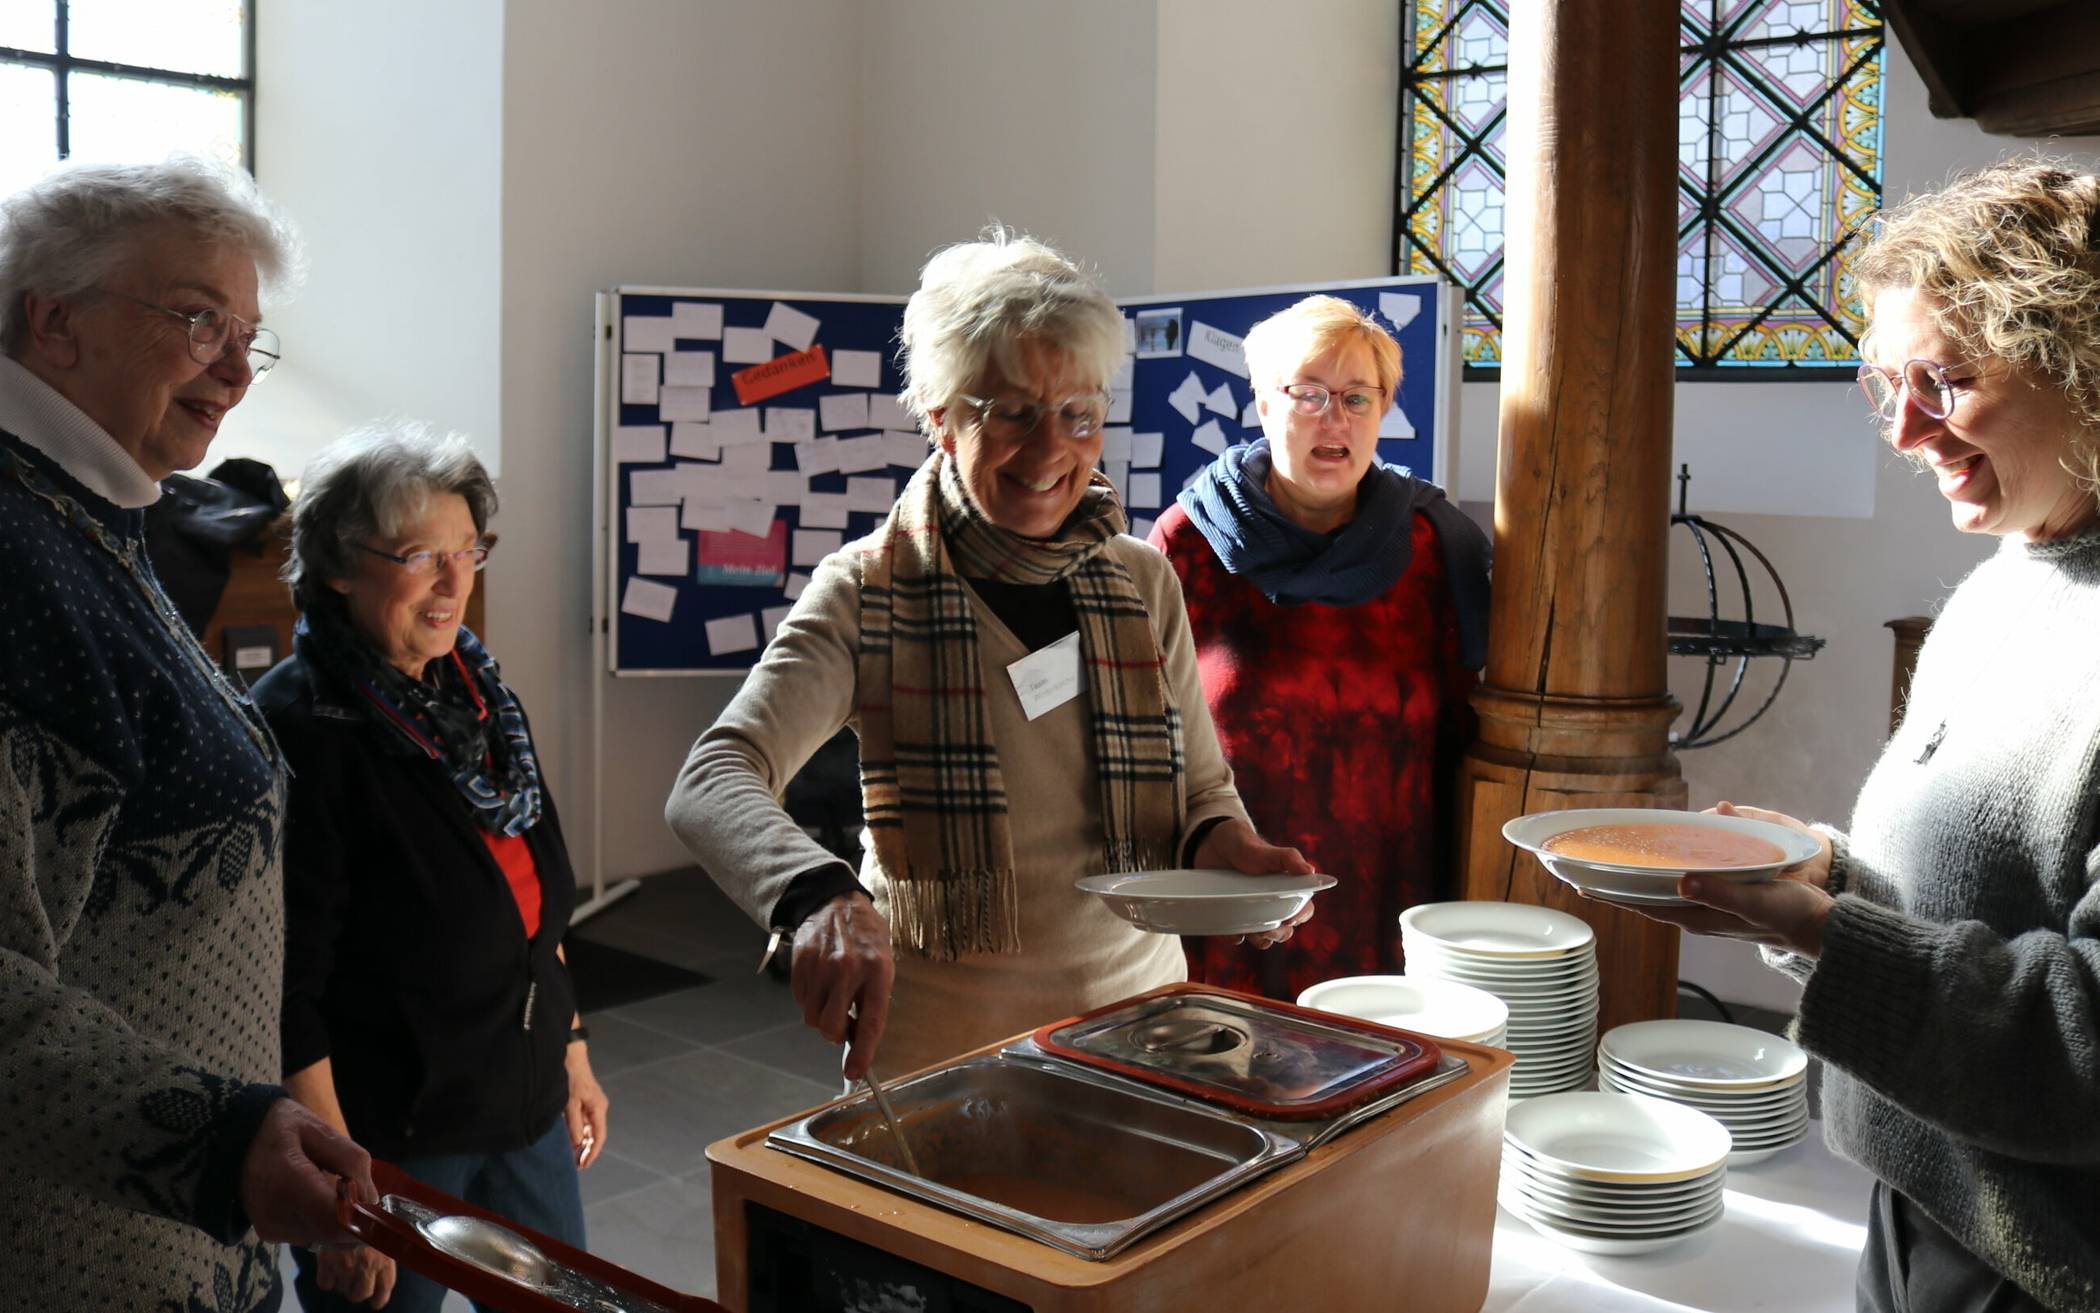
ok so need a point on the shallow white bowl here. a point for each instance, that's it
(1704, 1055)
(1521, 1167)
(1497, 931)
(1610, 1219)
(1531, 833)
(1618, 1137)
(1790, 1102)
(1444, 1009)
(1204, 902)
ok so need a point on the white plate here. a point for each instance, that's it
(1522, 1167)
(1792, 1101)
(1204, 902)
(1636, 888)
(1549, 973)
(1745, 1157)
(1610, 1247)
(1618, 1137)
(1498, 930)
(1705, 1055)
(1444, 1009)
(1678, 1229)
(1787, 1094)
(1531, 833)
(1610, 1219)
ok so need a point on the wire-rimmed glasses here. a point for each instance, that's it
(433, 563)
(1312, 400)
(213, 333)
(1080, 416)
(1925, 382)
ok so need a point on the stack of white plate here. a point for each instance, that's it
(1541, 963)
(1442, 1009)
(1754, 1083)
(1613, 1173)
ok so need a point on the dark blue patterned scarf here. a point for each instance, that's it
(1229, 504)
(447, 717)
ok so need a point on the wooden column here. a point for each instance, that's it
(1575, 709)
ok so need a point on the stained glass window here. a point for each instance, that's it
(1779, 163)
(122, 80)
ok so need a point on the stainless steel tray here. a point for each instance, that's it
(1076, 1158)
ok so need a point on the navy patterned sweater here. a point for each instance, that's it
(141, 925)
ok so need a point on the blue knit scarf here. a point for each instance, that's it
(1229, 504)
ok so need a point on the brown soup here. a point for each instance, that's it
(1664, 845)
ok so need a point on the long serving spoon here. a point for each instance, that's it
(889, 1115)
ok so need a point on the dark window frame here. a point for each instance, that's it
(1714, 47)
(62, 62)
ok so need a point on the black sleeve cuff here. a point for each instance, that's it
(1197, 836)
(811, 890)
(219, 1211)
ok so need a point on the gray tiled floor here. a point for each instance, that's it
(684, 1070)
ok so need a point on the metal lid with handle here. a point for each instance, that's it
(494, 1261)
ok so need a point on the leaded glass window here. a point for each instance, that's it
(123, 80)
(1779, 163)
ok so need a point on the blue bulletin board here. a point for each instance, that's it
(741, 436)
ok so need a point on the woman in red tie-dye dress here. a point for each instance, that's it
(1339, 608)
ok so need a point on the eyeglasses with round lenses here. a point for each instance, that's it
(1080, 416)
(214, 333)
(1925, 382)
(433, 563)
(1312, 400)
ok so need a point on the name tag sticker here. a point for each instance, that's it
(1048, 678)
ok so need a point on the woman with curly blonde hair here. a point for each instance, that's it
(1948, 940)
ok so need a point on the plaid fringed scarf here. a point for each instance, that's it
(930, 780)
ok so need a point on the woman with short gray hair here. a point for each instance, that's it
(151, 1154)
(981, 810)
(427, 1008)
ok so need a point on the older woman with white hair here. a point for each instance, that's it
(427, 1008)
(147, 1145)
(982, 809)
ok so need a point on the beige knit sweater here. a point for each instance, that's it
(1075, 953)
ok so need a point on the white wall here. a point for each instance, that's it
(645, 141)
(379, 129)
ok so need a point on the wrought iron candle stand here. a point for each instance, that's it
(1720, 640)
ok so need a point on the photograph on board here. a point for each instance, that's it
(1158, 333)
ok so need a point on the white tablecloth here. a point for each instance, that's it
(1790, 1239)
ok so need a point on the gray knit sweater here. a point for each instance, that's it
(1957, 999)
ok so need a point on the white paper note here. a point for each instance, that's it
(646, 333)
(672, 556)
(640, 444)
(1250, 418)
(752, 517)
(746, 346)
(651, 522)
(1119, 406)
(843, 410)
(856, 369)
(696, 319)
(684, 402)
(787, 325)
(648, 599)
(638, 379)
(1399, 307)
(858, 455)
(795, 584)
(786, 487)
(1140, 527)
(876, 495)
(1144, 492)
(1396, 424)
(695, 440)
(1049, 677)
(1115, 444)
(692, 369)
(824, 510)
(1118, 472)
(1215, 346)
(1188, 397)
(1146, 450)
(1220, 400)
(790, 423)
(654, 488)
(712, 516)
(813, 545)
(770, 618)
(1209, 437)
(735, 428)
(696, 482)
(1125, 376)
(820, 456)
(747, 458)
(906, 449)
(886, 412)
(731, 633)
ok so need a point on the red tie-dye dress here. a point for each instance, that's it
(1344, 726)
